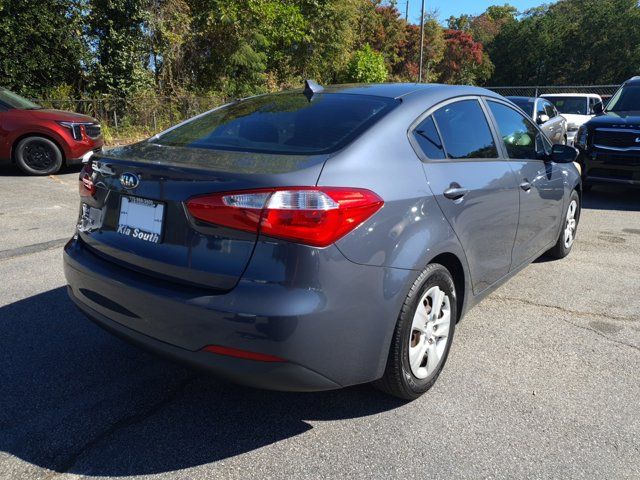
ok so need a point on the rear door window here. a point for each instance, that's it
(284, 123)
(520, 136)
(465, 131)
(427, 137)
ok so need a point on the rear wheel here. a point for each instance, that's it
(38, 156)
(423, 335)
(570, 226)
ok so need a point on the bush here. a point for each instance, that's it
(367, 66)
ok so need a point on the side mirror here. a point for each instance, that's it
(563, 154)
(598, 108)
(543, 119)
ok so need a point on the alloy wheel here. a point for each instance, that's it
(570, 225)
(429, 332)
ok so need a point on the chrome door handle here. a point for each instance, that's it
(526, 186)
(454, 193)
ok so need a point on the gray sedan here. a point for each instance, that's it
(319, 238)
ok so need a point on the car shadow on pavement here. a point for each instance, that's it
(12, 170)
(612, 197)
(75, 399)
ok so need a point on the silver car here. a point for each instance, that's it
(546, 115)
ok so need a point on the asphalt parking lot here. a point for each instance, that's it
(543, 380)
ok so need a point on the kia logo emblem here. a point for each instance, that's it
(129, 180)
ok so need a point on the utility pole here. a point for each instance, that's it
(406, 12)
(421, 41)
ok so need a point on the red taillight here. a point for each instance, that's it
(86, 186)
(237, 353)
(315, 216)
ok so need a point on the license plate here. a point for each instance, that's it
(141, 218)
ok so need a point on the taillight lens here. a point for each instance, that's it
(315, 216)
(86, 186)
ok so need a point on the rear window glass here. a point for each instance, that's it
(282, 123)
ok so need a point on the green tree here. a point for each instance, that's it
(169, 31)
(367, 66)
(41, 46)
(117, 32)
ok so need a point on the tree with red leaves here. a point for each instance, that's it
(464, 59)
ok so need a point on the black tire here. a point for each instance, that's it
(560, 249)
(398, 379)
(38, 156)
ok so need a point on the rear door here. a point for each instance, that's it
(541, 182)
(475, 189)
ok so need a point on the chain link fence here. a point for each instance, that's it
(605, 91)
(129, 119)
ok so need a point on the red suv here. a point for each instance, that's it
(40, 140)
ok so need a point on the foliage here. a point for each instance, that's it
(367, 66)
(29, 64)
(229, 48)
(464, 59)
(572, 42)
(116, 30)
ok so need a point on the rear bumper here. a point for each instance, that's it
(331, 319)
(269, 375)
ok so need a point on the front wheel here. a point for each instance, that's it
(570, 226)
(423, 335)
(38, 156)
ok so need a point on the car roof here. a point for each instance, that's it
(633, 81)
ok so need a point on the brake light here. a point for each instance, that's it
(315, 216)
(86, 187)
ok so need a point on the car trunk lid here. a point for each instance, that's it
(137, 216)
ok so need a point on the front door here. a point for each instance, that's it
(541, 182)
(475, 189)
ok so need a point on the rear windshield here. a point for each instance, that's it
(570, 105)
(285, 123)
(525, 104)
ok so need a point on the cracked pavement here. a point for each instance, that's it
(542, 381)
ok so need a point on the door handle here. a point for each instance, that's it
(526, 186)
(455, 192)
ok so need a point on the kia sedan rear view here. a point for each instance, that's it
(312, 240)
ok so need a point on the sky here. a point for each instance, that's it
(446, 8)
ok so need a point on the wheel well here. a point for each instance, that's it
(35, 134)
(452, 263)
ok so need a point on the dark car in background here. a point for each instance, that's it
(546, 115)
(39, 140)
(319, 239)
(609, 143)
